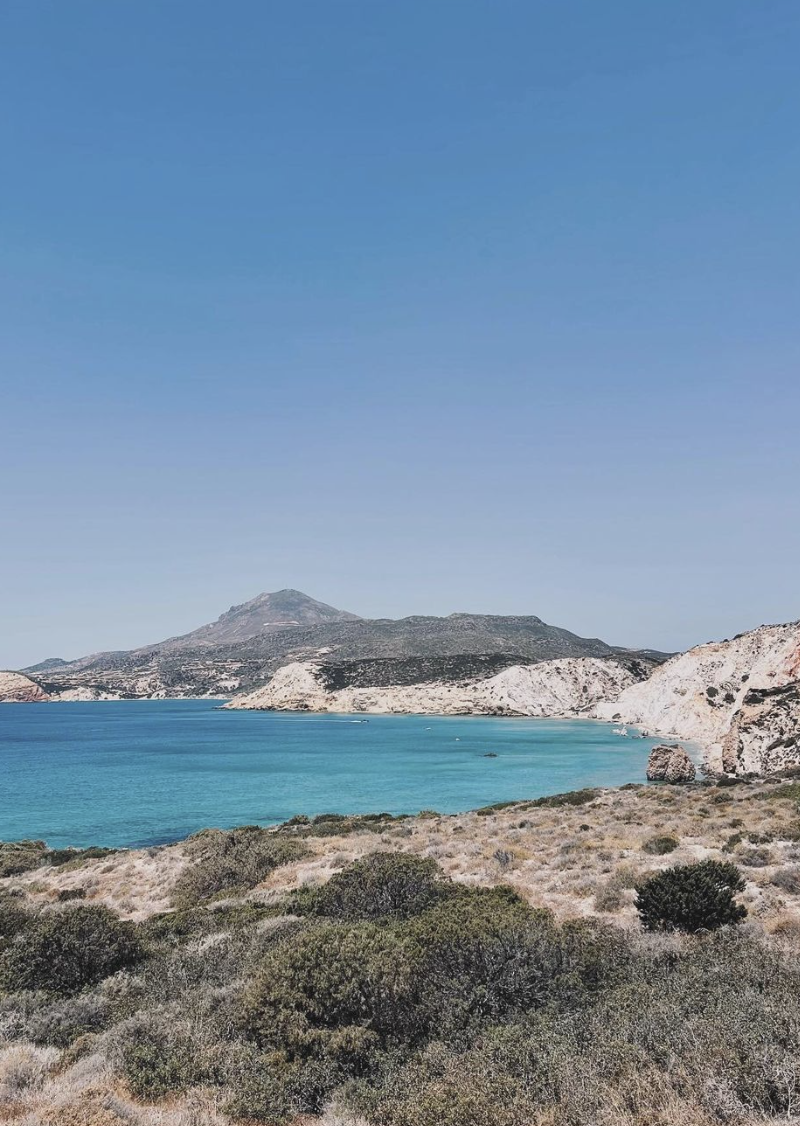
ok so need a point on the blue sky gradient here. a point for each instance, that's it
(417, 307)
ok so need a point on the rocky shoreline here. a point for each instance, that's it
(738, 699)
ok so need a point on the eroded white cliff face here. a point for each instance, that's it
(16, 688)
(721, 696)
(566, 687)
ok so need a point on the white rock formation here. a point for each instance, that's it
(16, 688)
(568, 687)
(719, 695)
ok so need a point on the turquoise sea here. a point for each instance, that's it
(146, 772)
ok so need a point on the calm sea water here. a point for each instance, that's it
(145, 772)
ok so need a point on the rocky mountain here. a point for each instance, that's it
(264, 614)
(46, 666)
(739, 699)
(247, 644)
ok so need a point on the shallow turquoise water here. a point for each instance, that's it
(144, 772)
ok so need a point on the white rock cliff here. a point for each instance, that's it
(571, 686)
(724, 696)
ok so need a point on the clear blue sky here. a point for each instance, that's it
(419, 307)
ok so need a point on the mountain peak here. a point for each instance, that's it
(266, 613)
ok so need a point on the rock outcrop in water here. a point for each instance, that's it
(670, 764)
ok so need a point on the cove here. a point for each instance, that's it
(144, 772)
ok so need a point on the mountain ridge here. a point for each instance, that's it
(248, 642)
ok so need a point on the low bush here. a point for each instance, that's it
(660, 846)
(159, 1059)
(381, 885)
(59, 1023)
(13, 916)
(68, 895)
(572, 797)
(754, 857)
(17, 857)
(788, 879)
(63, 951)
(609, 898)
(691, 897)
(224, 862)
(336, 993)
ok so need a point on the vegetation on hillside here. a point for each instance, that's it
(391, 995)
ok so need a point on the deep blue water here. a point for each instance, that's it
(144, 772)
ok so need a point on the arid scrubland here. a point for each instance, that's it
(499, 976)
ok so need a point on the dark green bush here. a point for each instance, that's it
(571, 797)
(273, 1089)
(478, 958)
(381, 885)
(660, 846)
(68, 895)
(231, 861)
(336, 992)
(62, 951)
(13, 916)
(691, 897)
(17, 857)
(75, 857)
(161, 1061)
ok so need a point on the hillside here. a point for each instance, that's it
(482, 969)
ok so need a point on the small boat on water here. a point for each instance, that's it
(619, 730)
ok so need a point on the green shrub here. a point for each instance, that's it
(336, 992)
(381, 885)
(62, 951)
(788, 791)
(17, 857)
(449, 1088)
(660, 846)
(691, 897)
(160, 1061)
(229, 861)
(478, 958)
(571, 797)
(13, 916)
